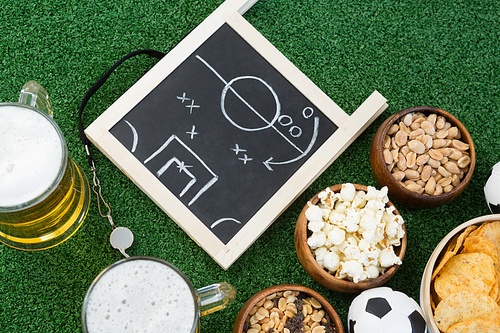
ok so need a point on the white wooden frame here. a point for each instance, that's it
(350, 127)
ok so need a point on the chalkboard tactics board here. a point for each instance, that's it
(223, 137)
(224, 131)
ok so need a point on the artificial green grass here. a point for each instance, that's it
(439, 53)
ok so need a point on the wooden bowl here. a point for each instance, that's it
(396, 191)
(319, 274)
(425, 285)
(248, 306)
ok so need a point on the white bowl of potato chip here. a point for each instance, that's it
(460, 289)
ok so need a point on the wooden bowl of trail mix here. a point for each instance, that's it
(424, 155)
(350, 237)
(288, 308)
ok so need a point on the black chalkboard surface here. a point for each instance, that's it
(224, 131)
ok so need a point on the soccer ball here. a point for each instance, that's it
(492, 189)
(383, 310)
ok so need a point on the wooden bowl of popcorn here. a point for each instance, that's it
(288, 307)
(350, 237)
(424, 155)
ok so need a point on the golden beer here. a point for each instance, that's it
(44, 196)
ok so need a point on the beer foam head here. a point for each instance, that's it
(30, 155)
(140, 296)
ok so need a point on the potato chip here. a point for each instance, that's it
(463, 306)
(480, 244)
(475, 325)
(475, 232)
(497, 299)
(452, 248)
(472, 271)
(491, 231)
(495, 289)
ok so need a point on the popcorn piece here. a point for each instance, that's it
(383, 195)
(388, 257)
(331, 261)
(347, 192)
(392, 228)
(316, 240)
(326, 213)
(322, 195)
(314, 213)
(340, 207)
(351, 249)
(327, 228)
(371, 193)
(351, 222)
(326, 198)
(352, 269)
(399, 219)
(372, 271)
(336, 236)
(335, 218)
(319, 254)
(359, 200)
(375, 205)
(315, 226)
(369, 253)
(367, 222)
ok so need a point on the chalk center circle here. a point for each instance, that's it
(228, 86)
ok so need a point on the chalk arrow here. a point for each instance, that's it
(269, 162)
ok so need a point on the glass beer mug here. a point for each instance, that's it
(44, 195)
(147, 294)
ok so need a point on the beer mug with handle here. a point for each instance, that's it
(147, 295)
(44, 195)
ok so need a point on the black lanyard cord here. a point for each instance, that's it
(86, 142)
(97, 85)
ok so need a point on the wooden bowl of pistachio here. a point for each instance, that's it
(424, 155)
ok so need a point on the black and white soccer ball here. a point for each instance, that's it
(383, 310)
(492, 189)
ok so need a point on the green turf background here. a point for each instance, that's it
(427, 52)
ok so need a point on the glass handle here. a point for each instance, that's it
(215, 297)
(33, 94)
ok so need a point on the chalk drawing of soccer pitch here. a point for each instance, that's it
(284, 120)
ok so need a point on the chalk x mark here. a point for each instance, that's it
(183, 98)
(192, 133)
(245, 159)
(191, 106)
(135, 135)
(183, 169)
(224, 219)
(237, 149)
